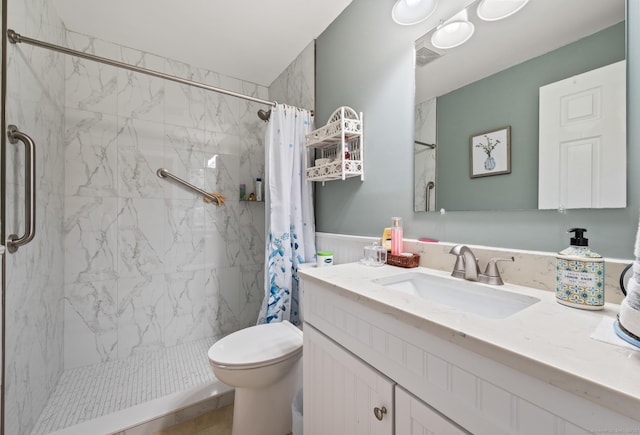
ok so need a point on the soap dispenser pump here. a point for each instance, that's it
(580, 274)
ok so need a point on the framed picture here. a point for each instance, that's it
(490, 152)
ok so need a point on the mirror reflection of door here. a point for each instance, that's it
(582, 150)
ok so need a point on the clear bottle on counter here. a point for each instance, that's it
(396, 235)
(374, 255)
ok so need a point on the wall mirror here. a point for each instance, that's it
(492, 82)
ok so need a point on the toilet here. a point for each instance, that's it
(264, 365)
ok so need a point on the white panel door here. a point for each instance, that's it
(583, 141)
(414, 417)
(341, 392)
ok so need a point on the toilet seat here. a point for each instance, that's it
(256, 346)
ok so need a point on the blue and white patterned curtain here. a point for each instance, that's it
(290, 235)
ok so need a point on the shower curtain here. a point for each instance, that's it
(290, 228)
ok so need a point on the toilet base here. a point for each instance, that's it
(267, 411)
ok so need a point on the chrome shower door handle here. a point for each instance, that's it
(14, 241)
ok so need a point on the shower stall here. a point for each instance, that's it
(130, 276)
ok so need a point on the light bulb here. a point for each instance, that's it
(408, 12)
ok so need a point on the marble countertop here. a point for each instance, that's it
(547, 340)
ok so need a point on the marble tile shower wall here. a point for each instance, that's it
(148, 264)
(295, 85)
(34, 274)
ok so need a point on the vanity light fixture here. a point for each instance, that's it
(494, 10)
(408, 12)
(454, 32)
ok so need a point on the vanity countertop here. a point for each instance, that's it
(548, 341)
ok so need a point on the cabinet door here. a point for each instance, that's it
(414, 417)
(342, 394)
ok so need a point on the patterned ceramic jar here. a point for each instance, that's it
(580, 278)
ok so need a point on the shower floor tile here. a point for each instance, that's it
(85, 393)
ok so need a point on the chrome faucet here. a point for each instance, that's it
(467, 266)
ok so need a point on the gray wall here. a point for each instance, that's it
(365, 60)
(512, 96)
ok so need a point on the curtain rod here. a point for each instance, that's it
(15, 38)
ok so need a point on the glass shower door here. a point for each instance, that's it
(33, 289)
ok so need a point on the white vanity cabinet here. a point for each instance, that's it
(361, 353)
(414, 417)
(345, 396)
(342, 394)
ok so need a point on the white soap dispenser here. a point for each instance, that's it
(580, 274)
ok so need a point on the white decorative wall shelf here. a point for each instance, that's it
(340, 143)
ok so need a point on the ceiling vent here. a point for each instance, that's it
(425, 55)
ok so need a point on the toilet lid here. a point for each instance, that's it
(257, 345)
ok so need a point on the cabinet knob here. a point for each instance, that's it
(379, 412)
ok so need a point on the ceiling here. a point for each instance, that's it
(541, 26)
(252, 40)
(255, 40)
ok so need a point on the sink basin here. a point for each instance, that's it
(466, 296)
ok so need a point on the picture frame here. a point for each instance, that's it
(490, 152)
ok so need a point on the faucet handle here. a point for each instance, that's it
(492, 274)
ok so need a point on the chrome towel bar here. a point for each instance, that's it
(212, 197)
